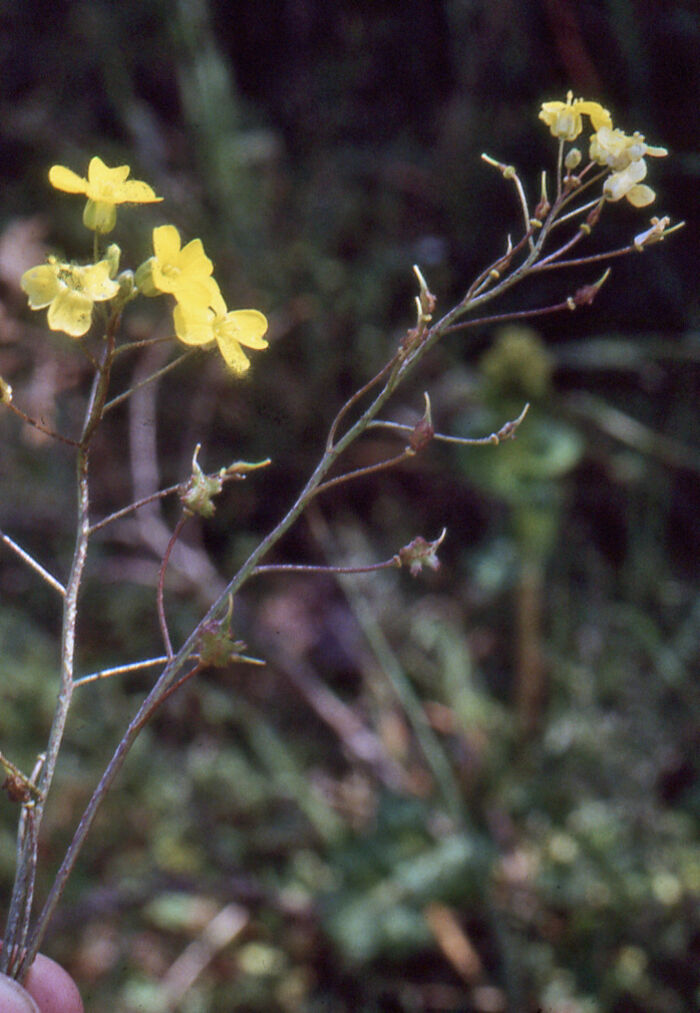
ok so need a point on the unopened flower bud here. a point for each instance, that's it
(573, 159)
(112, 256)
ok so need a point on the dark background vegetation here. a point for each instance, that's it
(474, 791)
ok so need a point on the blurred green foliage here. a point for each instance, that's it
(513, 739)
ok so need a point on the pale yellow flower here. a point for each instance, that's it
(182, 271)
(229, 329)
(70, 292)
(564, 118)
(626, 183)
(104, 189)
(617, 149)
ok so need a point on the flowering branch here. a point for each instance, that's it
(76, 294)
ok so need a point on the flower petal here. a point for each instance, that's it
(166, 243)
(96, 283)
(234, 356)
(100, 175)
(193, 328)
(193, 259)
(641, 195)
(134, 191)
(65, 179)
(70, 312)
(41, 285)
(244, 326)
(600, 117)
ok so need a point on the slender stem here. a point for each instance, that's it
(594, 258)
(161, 583)
(170, 673)
(506, 432)
(40, 425)
(563, 219)
(132, 346)
(118, 514)
(30, 561)
(499, 318)
(388, 564)
(22, 892)
(149, 379)
(369, 470)
(106, 673)
(353, 400)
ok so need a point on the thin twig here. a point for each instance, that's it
(39, 425)
(499, 318)
(149, 379)
(118, 514)
(388, 564)
(594, 258)
(354, 399)
(506, 432)
(30, 561)
(106, 673)
(161, 583)
(390, 462)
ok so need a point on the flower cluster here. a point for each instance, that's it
(200, 316)
(70, 291)
(623, 153)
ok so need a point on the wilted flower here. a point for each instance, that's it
(627, 184)
(617, 149)
(653, 235)
(564, 118)
(420, 553)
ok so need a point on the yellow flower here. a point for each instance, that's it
(617, 149)
(184, 272)
(564, 118)
(70, 292)
(104, 189)
(626, 183)
(197, 325)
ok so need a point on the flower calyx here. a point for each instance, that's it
(423, 431)
(217, 648)
(197, 494)
(658, 231)
(587, 293)
(420, 553)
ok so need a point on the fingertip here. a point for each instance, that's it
(14, 999)
(52, 988)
